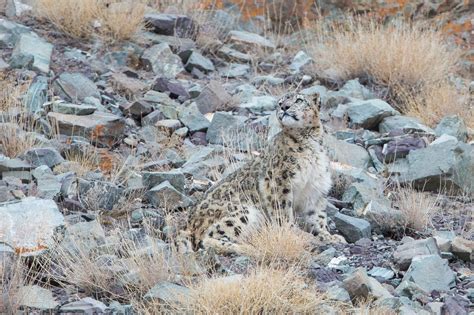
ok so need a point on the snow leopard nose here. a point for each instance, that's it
(285, 107)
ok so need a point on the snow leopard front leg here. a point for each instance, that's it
(314, 221)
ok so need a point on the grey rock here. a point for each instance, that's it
(423, 268)
(405, 253)
(73, 109)
(37, 94)
(404, 123)
(368, 114)
(75, 87)
(192, 118)
(101, 128)
(37, 48)
(260, 104)
(213, 97)
(168, 292)
(337, 293)
(13, 165)
(222, 124)
(174, 177)
(87, 306)
(29, 224)
(370, 204)
(137, 109)
(165, 195)
(161, 60)
(198, 61)
(446, 165)
(246, 40)
(105, 194)
(175, 88)
(232, 55)
(234, 70)
(400, 147)
(172, 25)
(43, 156)
(158, 99)
(170, 125)
(381, 274)
(361, 286)
(48, 184)
(463, 248)
(455, 305)
(3, 64)
(83, 237)
(10, 33)
(353, 229)
(453, 126)
(354, 89)
(347, 153)
(37, 297)
(176, 44)
(411, 290)
(300, 60)
(267, 79)
(444, 239)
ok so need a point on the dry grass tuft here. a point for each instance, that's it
(410, 62)
(279, 245)
(87, 18)
(14, 140)
(263, 291)
(417, 208)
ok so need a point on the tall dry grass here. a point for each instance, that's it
(263, 291)
(112, 20)
(411, 63)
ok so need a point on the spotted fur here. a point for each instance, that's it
(289, 181)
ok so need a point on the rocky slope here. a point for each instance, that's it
(123, 138)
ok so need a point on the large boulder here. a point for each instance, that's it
(29, 225)
(404, 253)
(35, 47)
(368, 114)
(161, 60)
(441, 165)
(102, 128)
(75, 87)
(452, 126)
(430, 272)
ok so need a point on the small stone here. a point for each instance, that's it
(381, 274)
(35, 296)
(192, 118)
(102, 128)
(353, 229)
(43, 156)
(84, 306)
(453, 126)
(299, 61)
(29, 225)
(404, 123)
(246, 40)
(213, 97)
(404, 253)
(172, 25)
(174, 177)
(260, 104)
(169, 125)
(165, 195)
(73, 109)
(338, 294)
(368, 114)
(168, 292)
(222, 123)
(232, 55)
(75, 87)
(39, 50)
(161, 60)
(137, 109)
(234, 70)
(463, 249)
(422, 271)
(361, 286)
(198, 61)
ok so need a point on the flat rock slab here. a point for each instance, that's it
(102, 128)
(247, 40)
(30, 44)
(75, 87)
(29, 225)
(35, 296)
(73, 109)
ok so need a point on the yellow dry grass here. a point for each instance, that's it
(263, 291)
(410, 61)
(279, 245)
(87, 18)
